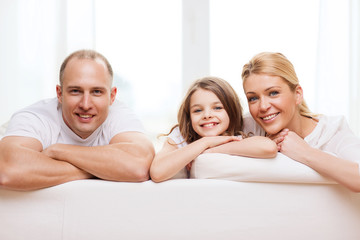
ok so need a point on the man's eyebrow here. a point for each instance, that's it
(78, 87)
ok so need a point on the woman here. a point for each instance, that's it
(275, 98)
(209, 120)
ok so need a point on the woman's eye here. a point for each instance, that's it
(274, 93)
(252, 99)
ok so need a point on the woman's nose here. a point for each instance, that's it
(264, 104)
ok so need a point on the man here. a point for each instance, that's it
(84, 133)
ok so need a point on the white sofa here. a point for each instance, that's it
(272, 208)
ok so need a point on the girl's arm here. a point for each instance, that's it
(256, 146)
(343, 171)
(171, 159)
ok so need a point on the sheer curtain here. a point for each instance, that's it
(314, 34)
(355, 66)
(31, 46)
(158, 47)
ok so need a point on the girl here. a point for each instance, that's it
(276, 103)
(209, 120)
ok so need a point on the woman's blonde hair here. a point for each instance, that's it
(228, 97)
(276, 64)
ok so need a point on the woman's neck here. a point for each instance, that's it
(304, 126)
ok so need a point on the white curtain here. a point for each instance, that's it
(338, 79)
(36, 35)
(31, 45)
(333, 58)
(354, 103)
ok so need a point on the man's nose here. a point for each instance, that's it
(86, 101)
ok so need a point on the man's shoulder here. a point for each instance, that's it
(39, 120)
(122, 119)
(46, 110)
(41, 107)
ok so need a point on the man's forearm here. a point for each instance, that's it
(118, 162)
(22, 168)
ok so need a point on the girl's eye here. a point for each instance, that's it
(197, 110)
(218, 108)
(274, 93)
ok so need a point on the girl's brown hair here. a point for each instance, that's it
(228, 97)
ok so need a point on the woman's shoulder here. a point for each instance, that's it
(328, 128)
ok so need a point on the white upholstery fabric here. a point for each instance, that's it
(181, 209)
(245, 169)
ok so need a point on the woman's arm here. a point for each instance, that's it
(256, 146)
(343, 171)
(171, 159)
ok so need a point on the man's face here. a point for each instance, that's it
(85, 96)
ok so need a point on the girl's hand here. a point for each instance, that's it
(211, 142)
(218, 140)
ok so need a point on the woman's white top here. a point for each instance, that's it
(332, 134)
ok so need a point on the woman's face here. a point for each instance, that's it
(271, 102)
(207, 113)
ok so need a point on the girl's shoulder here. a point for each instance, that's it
(176, 136)
(251, 127)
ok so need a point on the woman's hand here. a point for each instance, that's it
(279, 137)
(291, 144)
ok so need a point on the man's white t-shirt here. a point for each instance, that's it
(44, 122)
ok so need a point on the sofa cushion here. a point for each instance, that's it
(245, 169)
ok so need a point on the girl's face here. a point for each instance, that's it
(271, 102)
(207, 114)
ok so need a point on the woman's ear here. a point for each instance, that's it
(299, 94)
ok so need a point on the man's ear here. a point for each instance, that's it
(299, 94)
(113, 95)
(59, 93)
